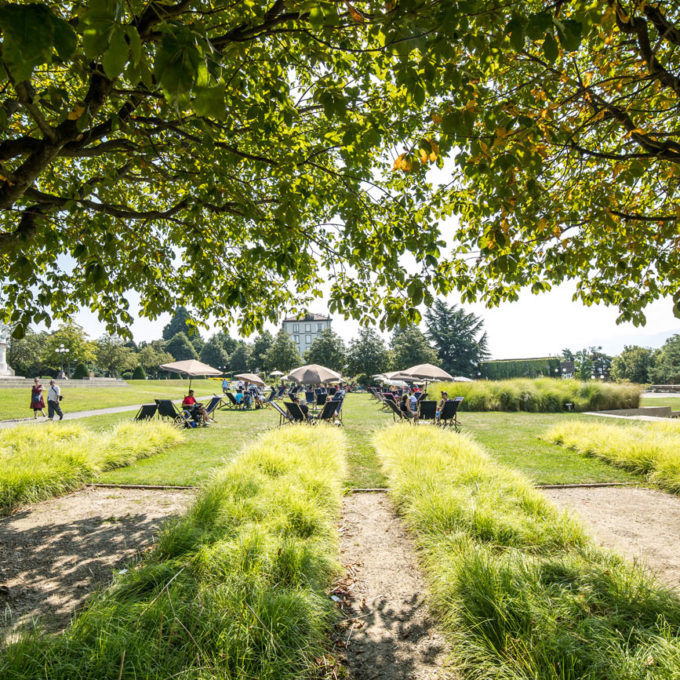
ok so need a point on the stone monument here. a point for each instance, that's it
(5, 370)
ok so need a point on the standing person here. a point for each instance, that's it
(37, 400)
(225, 385)
(53, 399)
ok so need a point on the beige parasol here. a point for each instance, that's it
(190, 367)
(427, 372)
(313, 374)
(250, 377)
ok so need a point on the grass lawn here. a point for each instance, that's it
(673, 402)
(511, 438)
(14, 401)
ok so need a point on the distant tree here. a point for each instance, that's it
(180, 323)
(27, 355)
(583, 365)
(283, 354)
(228, 343)
(180, 347)
(367, 354)
(567, 355)
(152, 355)
(81, 371)
(666, 368)
(328, 350)
(261, 346)
(632, 364)
(241, 358)
(139, 373)
(113, 357)
(74, 338)
(214, 355)
(458, 337)
(591, 362)
(410, 348)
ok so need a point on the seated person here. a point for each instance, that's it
(440, 405)
(413, 401)
(239, 395)
(197, 410)
(303, 407)
(405, 407)
(247, 397)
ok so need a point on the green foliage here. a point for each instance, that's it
(458, 338)
(236, 588)
(152, 355)
(213, 354)
(517, 583)
(649, 449)
(633, 364)
(666, 368)
(27, 355)
(37, 463)
(410, 348)
(328, 350)
(367, 354)
(547, 395)
(181, 322)
(261, 345)
(113, 357)
(139, 373)
(520, 368)
(81, 371)
(241, 358)
(283, 355)
(75, 340)
(181, 348)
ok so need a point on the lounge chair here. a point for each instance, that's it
(320, 399)
(449, 413)
(387, 398)
(284, 417)
(146, 412)
(310, 398)
(214, 403)
(281, 392)
(397, 413)
(270, 398)
(338, 402)
(329, 413)
(427, 410)
(231, 403)
(421, 396)
(295, 412)
(180, 418)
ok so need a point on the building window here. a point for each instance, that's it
(297, 339)
(308, 339)
(308, 327)
(319, 327)
(296, 328)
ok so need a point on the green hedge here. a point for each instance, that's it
(546, 395)
(521, 368)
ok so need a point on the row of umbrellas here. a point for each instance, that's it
(424, 372)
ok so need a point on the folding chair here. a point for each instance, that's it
(310, 398)
(339, 401)
(214, 403)
(397, 413)
(449, 413)
(421, 396)
(180, 418)
(427, 410)
(283, 415)
(387, 398)
(270, 398)
(146, 412)
(332, 390)
(320, 399)
(329, 413)
(295, 412)
(231, 404)
(281, 392)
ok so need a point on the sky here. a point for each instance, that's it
(534, 326)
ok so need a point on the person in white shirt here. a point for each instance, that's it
(53, 398)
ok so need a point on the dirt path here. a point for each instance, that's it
(387, 634)
(643, 525)
(54, 554)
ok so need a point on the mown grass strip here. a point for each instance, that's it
(234, 589)
(40, 462)
(651, 449)
(518, 585)
(544, 395)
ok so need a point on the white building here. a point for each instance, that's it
(305, 330)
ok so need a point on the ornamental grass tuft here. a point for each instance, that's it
(518, 585)
(38, 462)
(235, 589)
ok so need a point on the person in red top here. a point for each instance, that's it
(190, 404)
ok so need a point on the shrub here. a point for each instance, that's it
(139, 374)
(81, 371)
(127, 375)
(540, 395)
(517, 584)
(234, 589)
(37, 463)
(651, 449)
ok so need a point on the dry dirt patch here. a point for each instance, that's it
(55, 553)
(643, 525)
(387, 632)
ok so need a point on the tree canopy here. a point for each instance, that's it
(223, 157)
(283, 354)
(328, 349)
(410, 348)
(367, 354)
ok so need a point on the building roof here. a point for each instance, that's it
(309, 316)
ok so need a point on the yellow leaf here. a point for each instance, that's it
(587, 78)
(436, 119)
(398, 162)
(76, 111)
(471, 106)
(423, 156)
(354, 12)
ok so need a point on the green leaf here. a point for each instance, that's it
(135, 44)
(209, 102)
(515, 28)
(65, 38)
(28, 36)
(569, 33)
(550, 49)
(538, 24)
(116, 55)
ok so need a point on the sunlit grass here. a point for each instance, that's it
(517, 584)
(40, 462)
(651, 449)
(234, 589)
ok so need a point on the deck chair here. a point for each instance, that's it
(387, 398)
(329, 413)
(396, 411)
(284, 417)
(427, 410)
(295, 412)
(231, 402)
(320, 399)
(214, 403)
(338, 407)
(310, 398)
(169, 411)
(281, 392)
(421, 396)
(146, 412)
(449, 413)
(332, 390)
(270, 398)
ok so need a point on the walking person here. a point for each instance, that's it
(53, 399)
(37, 399)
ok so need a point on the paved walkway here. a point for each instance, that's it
(4, 424)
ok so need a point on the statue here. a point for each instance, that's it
(5, 370)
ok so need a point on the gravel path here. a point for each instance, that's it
(643, 525)
(387, 634)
